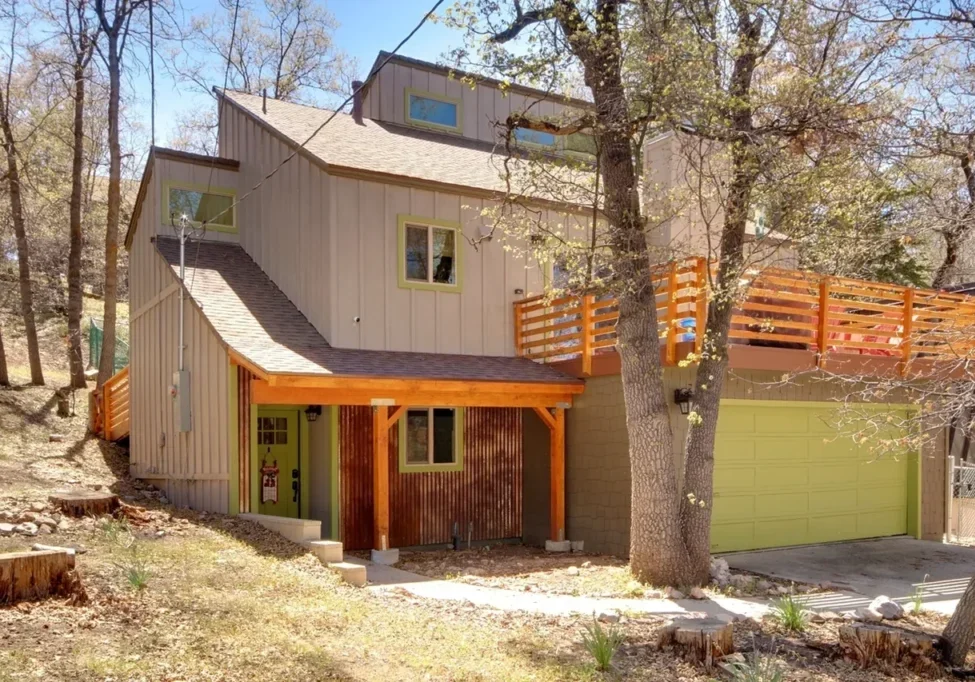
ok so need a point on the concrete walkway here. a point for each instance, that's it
(387, 578)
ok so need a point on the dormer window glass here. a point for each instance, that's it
(534, 137)
(200, 204)
(432, 111)
(581, 143)
(429, 252)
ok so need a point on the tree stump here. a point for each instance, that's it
(701, 640)
(872, 644)
(80, 503)
(63, 396)
(34, 575)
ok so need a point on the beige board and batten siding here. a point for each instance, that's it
(335, 276)
(597, 452)
(481, 106)
(191, 468)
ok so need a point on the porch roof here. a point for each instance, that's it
(267, 333)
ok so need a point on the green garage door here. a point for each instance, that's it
(783, 477)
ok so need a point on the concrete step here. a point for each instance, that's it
(354, 574)
(327, 551)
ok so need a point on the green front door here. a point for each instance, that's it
(783, 476)
(277, 460)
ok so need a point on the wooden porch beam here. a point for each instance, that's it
(384, 386)
(557, 476)
(380, 477)
(546, 417)
(265, 394)
(395, 414)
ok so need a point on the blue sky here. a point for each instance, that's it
(365, 28)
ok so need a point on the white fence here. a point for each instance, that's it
(961, 501)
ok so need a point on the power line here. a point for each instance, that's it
(335, 113)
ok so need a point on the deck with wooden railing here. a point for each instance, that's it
(778, 308)
(110, 407)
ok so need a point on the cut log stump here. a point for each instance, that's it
(84, 502)
(28, 576)
(869, 645)
(701, 640)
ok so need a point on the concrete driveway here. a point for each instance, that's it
(860, 571)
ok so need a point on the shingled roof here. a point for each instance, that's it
(390, 149)
(255, 318)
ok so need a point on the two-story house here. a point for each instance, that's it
(344, 354)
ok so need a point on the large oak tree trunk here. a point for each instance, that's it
(959, 236)
(76, 363)
(23, 248)
(960, 630)
(106, 364)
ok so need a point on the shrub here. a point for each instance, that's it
(791, 613)
(759, 669)
(917, 597)
(136, 568)
(602, 643)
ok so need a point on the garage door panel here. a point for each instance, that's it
(783, 477)
(776, 505)
(842, 499)
(781, 450)
(769, 478)
(782, 420)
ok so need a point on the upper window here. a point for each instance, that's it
(581, 143)
(431, 439)
(432, 110)
(429, 254)
(536, 137)
(200, 205)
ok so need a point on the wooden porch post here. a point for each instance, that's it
(557, 480)
(380, 477)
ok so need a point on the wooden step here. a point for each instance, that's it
(327, 551)
(354, 574)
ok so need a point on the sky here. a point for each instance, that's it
(365, 28)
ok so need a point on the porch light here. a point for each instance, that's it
(683, 397)
(313, 412)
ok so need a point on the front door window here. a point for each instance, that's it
(277, 462)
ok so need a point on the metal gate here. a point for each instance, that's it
(961, 501)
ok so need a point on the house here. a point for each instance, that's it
(349, 357)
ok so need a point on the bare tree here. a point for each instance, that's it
(116, 22)
(756, 92)
(15, 193)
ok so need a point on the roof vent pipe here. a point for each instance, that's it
(357, 101)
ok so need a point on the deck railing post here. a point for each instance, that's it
(907, 329)
(701, 313)
(519, 349)
(587, 334)
(823, 327)
(671, 320)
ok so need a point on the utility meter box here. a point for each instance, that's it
(181, 401)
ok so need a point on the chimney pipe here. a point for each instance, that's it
(264, 101)
(357, 101)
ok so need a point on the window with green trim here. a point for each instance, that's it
(430, 254)
(581, 143)
(431, 439)
(535, 137)
(431, 110)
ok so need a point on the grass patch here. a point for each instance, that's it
(790, 612)
(602, 643)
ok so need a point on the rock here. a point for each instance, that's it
(698, 593)
(674, 593)
(63, 524)
(38, 506)
(734, 658)
(867, 615)
(6, 515)
(782, 590)
(830, 615)
(742, 582)
(42, 520)
(887, 608)
(608, 617)
(6, 529)
(45, 529)
(817, 618)
(163, 499)
(720, 572)
(578, 545)
(26, 528)
(763, 586)
(572, 570)
(587, 564)
(55, 438)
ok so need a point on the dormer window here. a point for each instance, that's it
(200, 204)
(581, 143)
(430, 110)
(537, 138)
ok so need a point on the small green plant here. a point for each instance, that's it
(136, 568)
(917, 597)
(602, 643)
(791, 613)
(117, 531)
(759, 669)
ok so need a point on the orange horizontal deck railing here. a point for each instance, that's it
(111, 407)
(779, 308)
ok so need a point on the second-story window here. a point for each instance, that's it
(209, 205)
(534, 137)
(432, 111)
(429, 252)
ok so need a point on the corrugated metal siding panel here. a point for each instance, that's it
(244, 437)
(424, 506)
